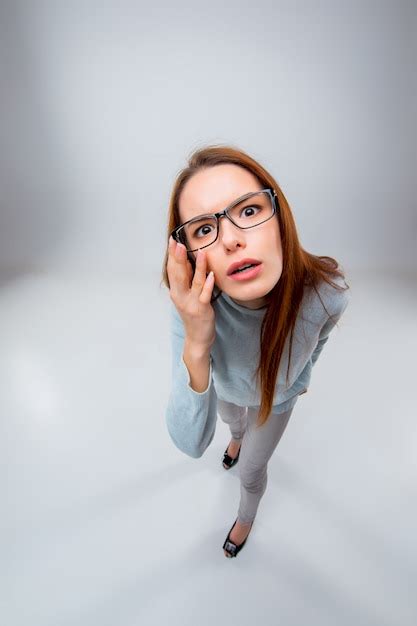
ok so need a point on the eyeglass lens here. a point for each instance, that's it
(246, 214)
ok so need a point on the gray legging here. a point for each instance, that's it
(257, 446)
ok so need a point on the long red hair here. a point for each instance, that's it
(299, 267)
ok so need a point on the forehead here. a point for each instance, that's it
(214, 188)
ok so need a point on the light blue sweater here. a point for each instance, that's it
(191, 416)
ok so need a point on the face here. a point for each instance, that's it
(212, 190)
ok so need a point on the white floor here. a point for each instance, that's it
(105, 522)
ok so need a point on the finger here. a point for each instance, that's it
(207, 290)
(171, 260)
(181, 257)
(174, 248)
(200, 273)
(179, 268)
(171, 245)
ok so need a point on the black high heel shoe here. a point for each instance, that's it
(231, 548)
(227, 460)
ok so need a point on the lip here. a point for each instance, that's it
(247, 274)
(238, 264)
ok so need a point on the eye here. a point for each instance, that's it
(250, 208)
(207, 232)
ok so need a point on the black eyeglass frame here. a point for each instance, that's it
(225, 213)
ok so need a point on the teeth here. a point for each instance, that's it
(243, 267)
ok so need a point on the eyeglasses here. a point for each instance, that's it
(248, 211)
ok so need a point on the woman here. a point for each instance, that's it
(246, 352)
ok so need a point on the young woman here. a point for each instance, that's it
(247, 351)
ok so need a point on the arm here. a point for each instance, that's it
(191, 415)
(318, 349)
(197, 361)
(336, 307)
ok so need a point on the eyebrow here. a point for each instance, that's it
(242, 197)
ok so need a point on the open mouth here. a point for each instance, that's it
(246, 273)
(245, 268)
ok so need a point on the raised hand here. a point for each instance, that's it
(191, 295)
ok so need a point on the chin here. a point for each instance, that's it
(254, 289)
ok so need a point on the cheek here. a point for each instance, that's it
(279, 251)
(275, 252)
(278, 259)
(277, 244)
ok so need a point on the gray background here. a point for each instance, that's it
(103, 520)
(102, 101)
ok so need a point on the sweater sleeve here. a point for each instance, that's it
(336, 308)
(190, 415)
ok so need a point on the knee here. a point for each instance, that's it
(254, 479)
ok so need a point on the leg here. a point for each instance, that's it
(258, 445)
(235, 416)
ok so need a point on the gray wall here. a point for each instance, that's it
(102, 102)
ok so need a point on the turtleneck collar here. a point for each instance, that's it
(243, 309)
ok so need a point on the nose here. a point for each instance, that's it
(229, 234)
